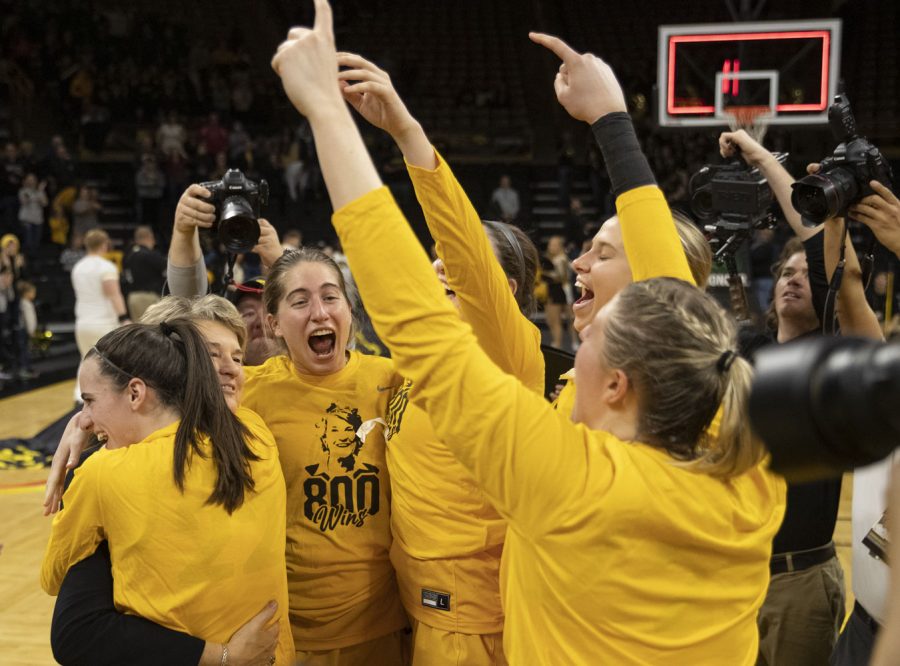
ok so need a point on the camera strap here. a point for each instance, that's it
(228, 275)
(829, 317)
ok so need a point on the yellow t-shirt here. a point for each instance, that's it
(177, 560)
(613, 555)
(341, 584)
(447, 537)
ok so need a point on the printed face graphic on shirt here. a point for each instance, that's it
(342, 490)
(337, 433)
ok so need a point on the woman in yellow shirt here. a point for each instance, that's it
(448, 538)
(184, 542)
(325, 405)
(633, 538)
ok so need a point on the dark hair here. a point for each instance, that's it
(172, 358)
(519, 259)
(275, 288)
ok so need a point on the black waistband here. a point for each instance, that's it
(801, 560)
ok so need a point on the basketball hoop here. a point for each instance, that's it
(752, 119)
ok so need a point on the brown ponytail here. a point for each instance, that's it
(173, 359)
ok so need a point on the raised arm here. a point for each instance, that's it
(497, 428)
(780, 181)
(587, 89)
(472, 270)
(186, 270)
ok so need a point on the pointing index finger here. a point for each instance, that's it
(565, 52)
(324, 21)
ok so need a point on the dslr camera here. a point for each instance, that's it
(237, 201)
(843, 178)
(735, 198)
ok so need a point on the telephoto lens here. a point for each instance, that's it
(827, 405)
(238, 228)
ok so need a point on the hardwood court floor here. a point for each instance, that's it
(25, 610)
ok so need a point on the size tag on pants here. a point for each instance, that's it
(438, 600)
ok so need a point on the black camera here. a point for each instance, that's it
(827, 405)
(237, 201)
(736, 198)
(843, 179)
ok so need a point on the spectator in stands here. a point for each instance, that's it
(576, 222)
(72, 254)
(99, 306)
(7, 344)
(28, 318)
(238, 145)
(150, 185)
(170, 137)
(506, 199)
(292, 239)
(145, 273)
(85, 211)
(32, 201)
(878, 297)
(11, 174)
(213, 137)
(59, 165)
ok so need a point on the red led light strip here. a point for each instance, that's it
(824, 35)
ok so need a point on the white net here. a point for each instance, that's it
(752, 119)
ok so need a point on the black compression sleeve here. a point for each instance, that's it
(88, 630)
(626, 164)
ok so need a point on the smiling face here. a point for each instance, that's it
(227, 358)
(793, 298)
(313, 318)
(107, 411)
(602, 271)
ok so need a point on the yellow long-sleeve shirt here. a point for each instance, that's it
(177, 560)
(613, 554)
(447, 537)
(341, 584)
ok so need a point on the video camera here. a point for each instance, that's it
(237, 201)
(736, 199)
(843, 179)
(827, 405)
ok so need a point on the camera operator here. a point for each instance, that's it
(797, 623)
(187, 269)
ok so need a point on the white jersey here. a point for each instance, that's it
(92, 307)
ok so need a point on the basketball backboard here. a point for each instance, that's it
(706, 71)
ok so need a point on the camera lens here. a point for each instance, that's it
(819, 196)
(826, 405)
(238, 228)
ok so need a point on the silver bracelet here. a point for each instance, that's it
(224, 655)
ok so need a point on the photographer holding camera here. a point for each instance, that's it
(187, 271)
(797, 623)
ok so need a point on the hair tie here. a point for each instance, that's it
(725, 360)
(166, 328)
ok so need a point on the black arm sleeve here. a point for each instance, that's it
(88, 630)
(627, 166)
(818, 279)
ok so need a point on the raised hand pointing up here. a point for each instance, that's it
(307, 64)
(585, 85)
